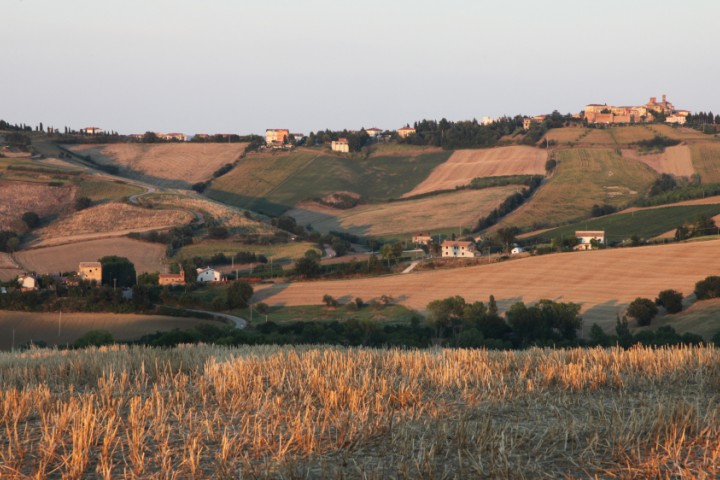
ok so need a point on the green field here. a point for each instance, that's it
(321, 313)
(706, 160)
(584, 177)
(274, 184)
(281, 253)
(644, 223)
(701, 318)
(100, 190)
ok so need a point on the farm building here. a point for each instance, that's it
(454, 248)
(517, 251)
(178, 137)
(406, 132)
(172, 278)
(27, 282)
(422, 239)
(373, 132)
(586, 237)
(205, 275)
(276, 135)
(341, 145)
(90, 271)
(92, 130)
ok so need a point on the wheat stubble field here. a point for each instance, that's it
(464, 165)
(300, 412)
(602, 281)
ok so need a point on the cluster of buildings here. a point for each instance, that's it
(596, 113)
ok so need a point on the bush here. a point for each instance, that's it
(671, 300)
(262, 308)
(81, 203)
(94, 338)
(643, 310)
(708, 288)
(31, 219)
(329, 300)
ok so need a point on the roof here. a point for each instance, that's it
(590, 233)
(373, 129)
(406, 128)
(203, 270)
(277, 130)
(170, 275)
(90, 264)
(342, 140)
(421, 235)
(455, 243)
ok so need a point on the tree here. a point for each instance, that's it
(81, 203)
(239, 294)
(391, 251)
(308, 266)
(708, 288)
(446, 314)
(671, 300)
(117, 271)
(643, 310)
(150, 137)
(329, 300)
(31, 219)
(506, 236)
(94, 338)
(147, 278)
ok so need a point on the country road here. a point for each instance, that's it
(239, 322)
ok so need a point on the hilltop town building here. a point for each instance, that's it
(341, 145)
(90, 272)
(607, 114)
(276, 135)
(406, 132)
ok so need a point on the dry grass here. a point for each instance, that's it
(603, 281)
(564, 135)
(676, 161)
(17, 198)
(584, 177)
(679, 133)
(598, 136)
(202, 412)
(8, 268)
(168, 164)
(36, 326)
(109, 219)
(449, 210)
(147, 257)
(706, 159)
(227, 216)
(631, 134)
(401, 149)
(464, 165)
(280, 252)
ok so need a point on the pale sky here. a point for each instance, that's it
(241, 66)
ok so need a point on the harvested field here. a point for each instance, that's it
(175, 165)
(679, 133)
(464, 165)
(8, 268)
(299, 412)
(563, 136)
(36, 326)
(631, 134)
(147, 257)
(448, 210)
(228, 217)
(17, 198)
(598, 136)
(706, 160)
(603, 281)
(676, 161)
(401, 149)
(108, 219)
(583, 177)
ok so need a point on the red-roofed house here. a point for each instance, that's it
(406, 132)
(456, 248)
(341, 145)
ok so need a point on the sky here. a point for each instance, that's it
(241, 66)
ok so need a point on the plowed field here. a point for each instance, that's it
(675, 160)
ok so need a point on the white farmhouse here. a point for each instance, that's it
(454, 248)
(27, 282)
(585, 238)
(205, 275)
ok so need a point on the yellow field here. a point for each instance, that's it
(147, 257)
(676, 161)
(583, 177)
(36, 326)
(166, 164)
(598, 136)
(565, 135)
(464, 165)
(450, 210)
(299, 412)
(108, 219)
(706, 160)
(17, 198)
(603, 281)
(631, 134)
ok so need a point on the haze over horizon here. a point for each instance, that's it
(226, 66)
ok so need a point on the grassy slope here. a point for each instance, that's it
(273, 184)
(706, 160)
(280, 253)
(584, 177)
(101, 190)
(702, 318)
(644, 223)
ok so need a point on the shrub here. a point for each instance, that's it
(643, 310)
(329, 300)
(262, 308)
(94, 338)
(708, 288)
(31, 219)
(81, 203)
(671, 300)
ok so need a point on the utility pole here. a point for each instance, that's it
(60, 323)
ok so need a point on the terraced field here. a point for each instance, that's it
(603, 281)
(584, 177)
(449, 210)
(464, 165)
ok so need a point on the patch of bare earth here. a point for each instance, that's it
(110, 219)
(147, 257)
(17, 198)
(676, 161)
(602, 281)
(464, 165)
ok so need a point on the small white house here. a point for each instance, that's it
(585, 237)
(517, 251)
(27, 282)
(205, 275)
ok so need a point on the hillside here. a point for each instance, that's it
(464, 165)
(603, 281)
(273, 184)
(676, 161)
(172, 165)
(446, 211)
(584, 177)
(20, 197)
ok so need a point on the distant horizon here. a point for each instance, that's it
(241, 67)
